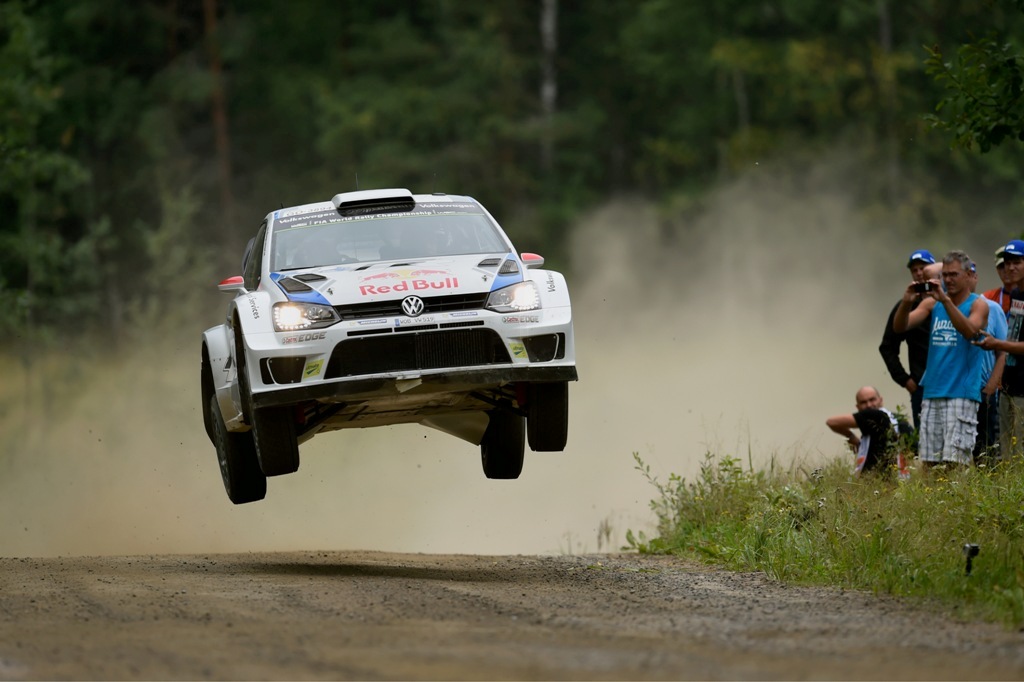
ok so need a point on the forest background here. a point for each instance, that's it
(731, 188)
(143, 142)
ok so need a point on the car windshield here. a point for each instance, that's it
(324, 237)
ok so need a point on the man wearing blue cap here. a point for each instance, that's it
(1011, 396)
(916, 340)
(953, 378)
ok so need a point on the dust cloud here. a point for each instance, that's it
(738, 331)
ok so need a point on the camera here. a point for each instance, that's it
(921, 287)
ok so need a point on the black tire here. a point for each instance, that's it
(236, 454)
(277, 448)
(273, 428)
(501, 451)
(547, 416)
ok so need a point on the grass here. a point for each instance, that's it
(827, 527)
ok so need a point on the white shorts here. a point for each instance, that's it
(949, 427)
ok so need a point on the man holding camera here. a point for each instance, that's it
(916, 340)
(953, 377)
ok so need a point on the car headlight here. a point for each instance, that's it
(294, 316)
(516, 298)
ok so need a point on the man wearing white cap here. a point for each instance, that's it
(916, 340)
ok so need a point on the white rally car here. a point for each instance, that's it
(384, 307)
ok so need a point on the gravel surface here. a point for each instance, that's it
(371, 615)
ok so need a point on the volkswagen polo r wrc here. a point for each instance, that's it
(383, 307)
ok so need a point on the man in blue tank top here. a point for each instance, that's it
(953, 376)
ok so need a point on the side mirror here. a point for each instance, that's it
(233, 284)
(532, 260)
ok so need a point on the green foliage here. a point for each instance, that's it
(984, 102)
(37, 264)
(108, 118)
(466, 89)
(828, 527)
(177, 271)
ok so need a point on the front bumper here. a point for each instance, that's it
(369, 387)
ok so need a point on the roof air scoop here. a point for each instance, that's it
(374, 201)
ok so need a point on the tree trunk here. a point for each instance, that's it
(549, 79)
(739, 91)
(172, 29)
(887, 82)
(220, 115)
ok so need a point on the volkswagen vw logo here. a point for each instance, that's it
(412, 306)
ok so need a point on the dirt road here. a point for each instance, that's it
(364, 615)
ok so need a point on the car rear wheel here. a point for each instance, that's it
(501, 450)
(273, 430)
(547, 416)
(236, 455)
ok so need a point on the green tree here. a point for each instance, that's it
(37, 177)
(130, 130)
(984, 91)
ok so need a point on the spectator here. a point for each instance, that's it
(988, 410)
(952, 380)
(1001, 294)
(1010, 369)
(876, 447)
(916, 340)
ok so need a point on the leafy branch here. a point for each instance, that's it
(984, 100)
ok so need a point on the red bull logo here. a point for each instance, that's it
(422, 279)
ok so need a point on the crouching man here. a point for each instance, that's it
(877, 446)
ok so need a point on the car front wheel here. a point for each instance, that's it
(236, 455)
(501, 450)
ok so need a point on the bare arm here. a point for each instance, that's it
(843, 424)
(995, 379)
(905, 318)
(988, 342)
(971, 325)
